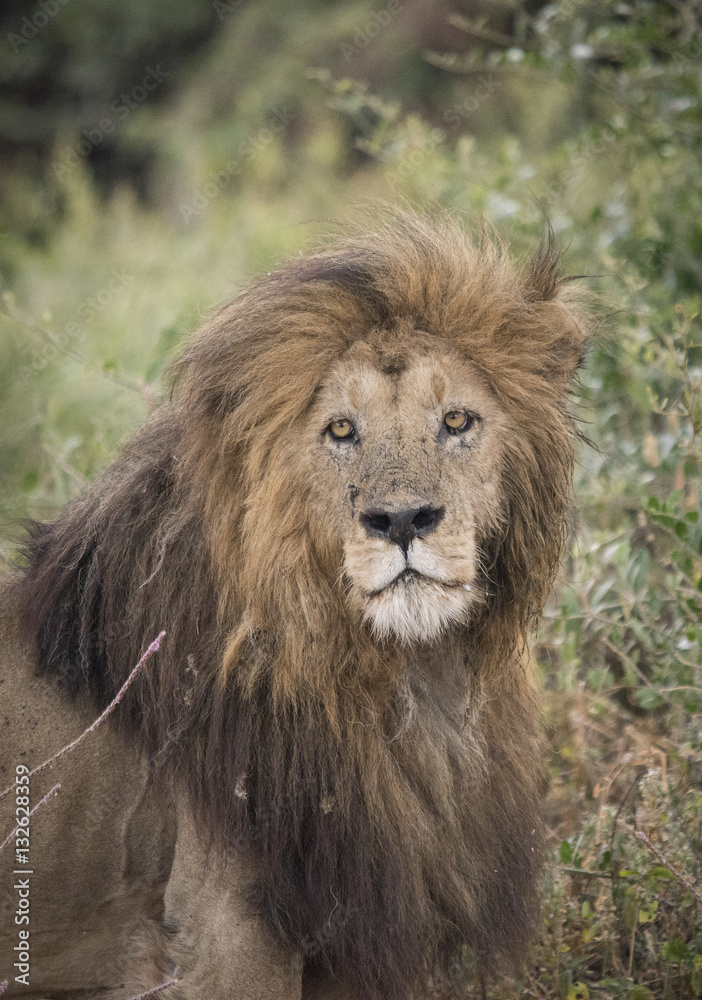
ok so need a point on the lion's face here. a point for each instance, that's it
(406, 472)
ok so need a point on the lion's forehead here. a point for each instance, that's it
(403, 383)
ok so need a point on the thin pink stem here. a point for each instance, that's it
(41, 802)
(113, 704)
(156, 989)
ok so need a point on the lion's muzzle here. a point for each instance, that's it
(403, 525)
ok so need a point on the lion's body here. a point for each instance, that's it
(328, 780)
(121, 892)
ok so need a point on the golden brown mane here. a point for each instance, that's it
(389, 837)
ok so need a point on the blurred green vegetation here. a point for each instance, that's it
(124, 224)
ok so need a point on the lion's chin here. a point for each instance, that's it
(414, 608)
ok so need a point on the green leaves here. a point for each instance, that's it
(569, 854)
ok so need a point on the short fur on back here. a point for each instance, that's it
(396, 833)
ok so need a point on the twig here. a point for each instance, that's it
(633, 939)
(536, 990)
(51, 338)
(156, 989)
(91, 728)
(627, 659)
(478, 29)
(619, 812)
(666, 864)
(680, 687)
(584, 871)
(52, 791)
(65, 465)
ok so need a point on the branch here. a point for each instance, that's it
(91, 728)
(156, 989)
(666, 864)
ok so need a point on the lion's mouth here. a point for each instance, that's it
(409, 576)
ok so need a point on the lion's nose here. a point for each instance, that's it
(401, 526)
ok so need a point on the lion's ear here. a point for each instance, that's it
(558, 312)
(564, 350)
(542, 279)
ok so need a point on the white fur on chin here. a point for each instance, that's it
(416, 609)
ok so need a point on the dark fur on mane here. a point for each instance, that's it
(391, 835)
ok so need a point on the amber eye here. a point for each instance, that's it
(458, 420)
(341, 429)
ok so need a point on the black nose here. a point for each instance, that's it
(401, 526)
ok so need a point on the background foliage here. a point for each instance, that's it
(155, 156)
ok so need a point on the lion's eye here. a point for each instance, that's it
(456, 421)
(341, 429)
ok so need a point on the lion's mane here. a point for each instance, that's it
(391, 841)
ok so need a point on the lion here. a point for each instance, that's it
(347, 517)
